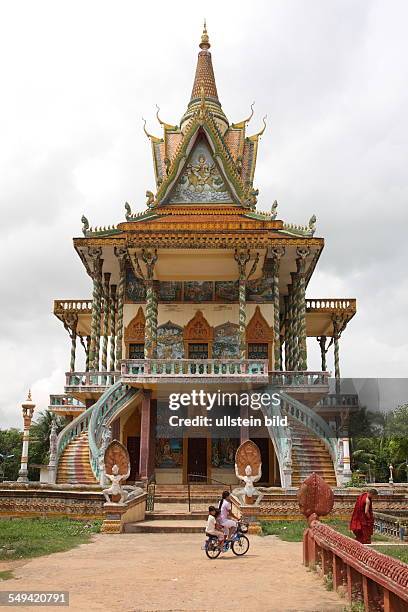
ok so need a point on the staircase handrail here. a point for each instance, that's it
(282, 443)
(112, 400)
(72, 430)
(315, 423)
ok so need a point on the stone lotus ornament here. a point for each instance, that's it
(248, 468)
(315, 497)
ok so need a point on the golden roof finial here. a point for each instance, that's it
(29, 395)
(205, 41)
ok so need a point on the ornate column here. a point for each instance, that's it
(323, 350)
(121, 254)
(302, 253)
(112, 326)
(28, 411)
(242, 258)
(106, 278)
(294, 353)
(95, 254)
(337, 329)
(150, 258)
(87, 351)
(276, 253)
(145, 434)
(70, 323)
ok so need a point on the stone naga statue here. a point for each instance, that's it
(116, 488)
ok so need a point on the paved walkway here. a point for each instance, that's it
(166, 572)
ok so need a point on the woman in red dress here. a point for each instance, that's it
(362, 520)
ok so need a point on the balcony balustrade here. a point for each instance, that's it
(330, 304)
(339, 400)
(65, 404)
(155, 370)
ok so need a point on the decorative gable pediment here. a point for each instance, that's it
(258, 329)
(135, 331)
(200, 181)
(198, 329)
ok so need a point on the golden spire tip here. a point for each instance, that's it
(205, 40)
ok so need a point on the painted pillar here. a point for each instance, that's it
(87, 350)
(302, 253)
(242, 258)
(28, 411)
(323, 350)
(150, 258)
(244, 430)
(295, 323)
(145, 434)
(346, 460)
(148, 347)
(70, 324)
(95, 254)
(277, 253)
(104, 364)
(121, 254)
(112, 326)
(337, 329)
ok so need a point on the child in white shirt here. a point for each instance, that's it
(211, 527)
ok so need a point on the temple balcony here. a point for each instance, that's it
(89, 385)
(65, 405)
(306, 386)
(338, 403)
(320, 313)
(194, 370)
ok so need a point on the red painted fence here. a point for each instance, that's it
(378, 580)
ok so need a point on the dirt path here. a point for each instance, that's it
(166, 572)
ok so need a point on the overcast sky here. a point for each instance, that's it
(76, 79)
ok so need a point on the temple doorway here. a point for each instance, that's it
(197, 458)
(133, 446)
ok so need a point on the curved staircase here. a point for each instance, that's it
(309, 454)
(74, 466)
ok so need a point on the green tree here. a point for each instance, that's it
(10, 444)
(38, 451)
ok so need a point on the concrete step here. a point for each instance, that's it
(176, 516)
(167, 526)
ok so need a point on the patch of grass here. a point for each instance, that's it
(292, 531)
(26, 538)
(6, 575)
(398, 552)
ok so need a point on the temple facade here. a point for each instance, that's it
(201, 288)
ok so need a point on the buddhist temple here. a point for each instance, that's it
(201, 288)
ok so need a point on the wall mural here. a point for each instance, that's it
(223, 452)
(226, 341)
(260, 290)
(170, 341)
(226, 291)
(198, 291)
(201, 180)
(170, 291)
(169, 452)
(135, 289)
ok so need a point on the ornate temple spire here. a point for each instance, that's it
(204, 81)
(204, 76)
